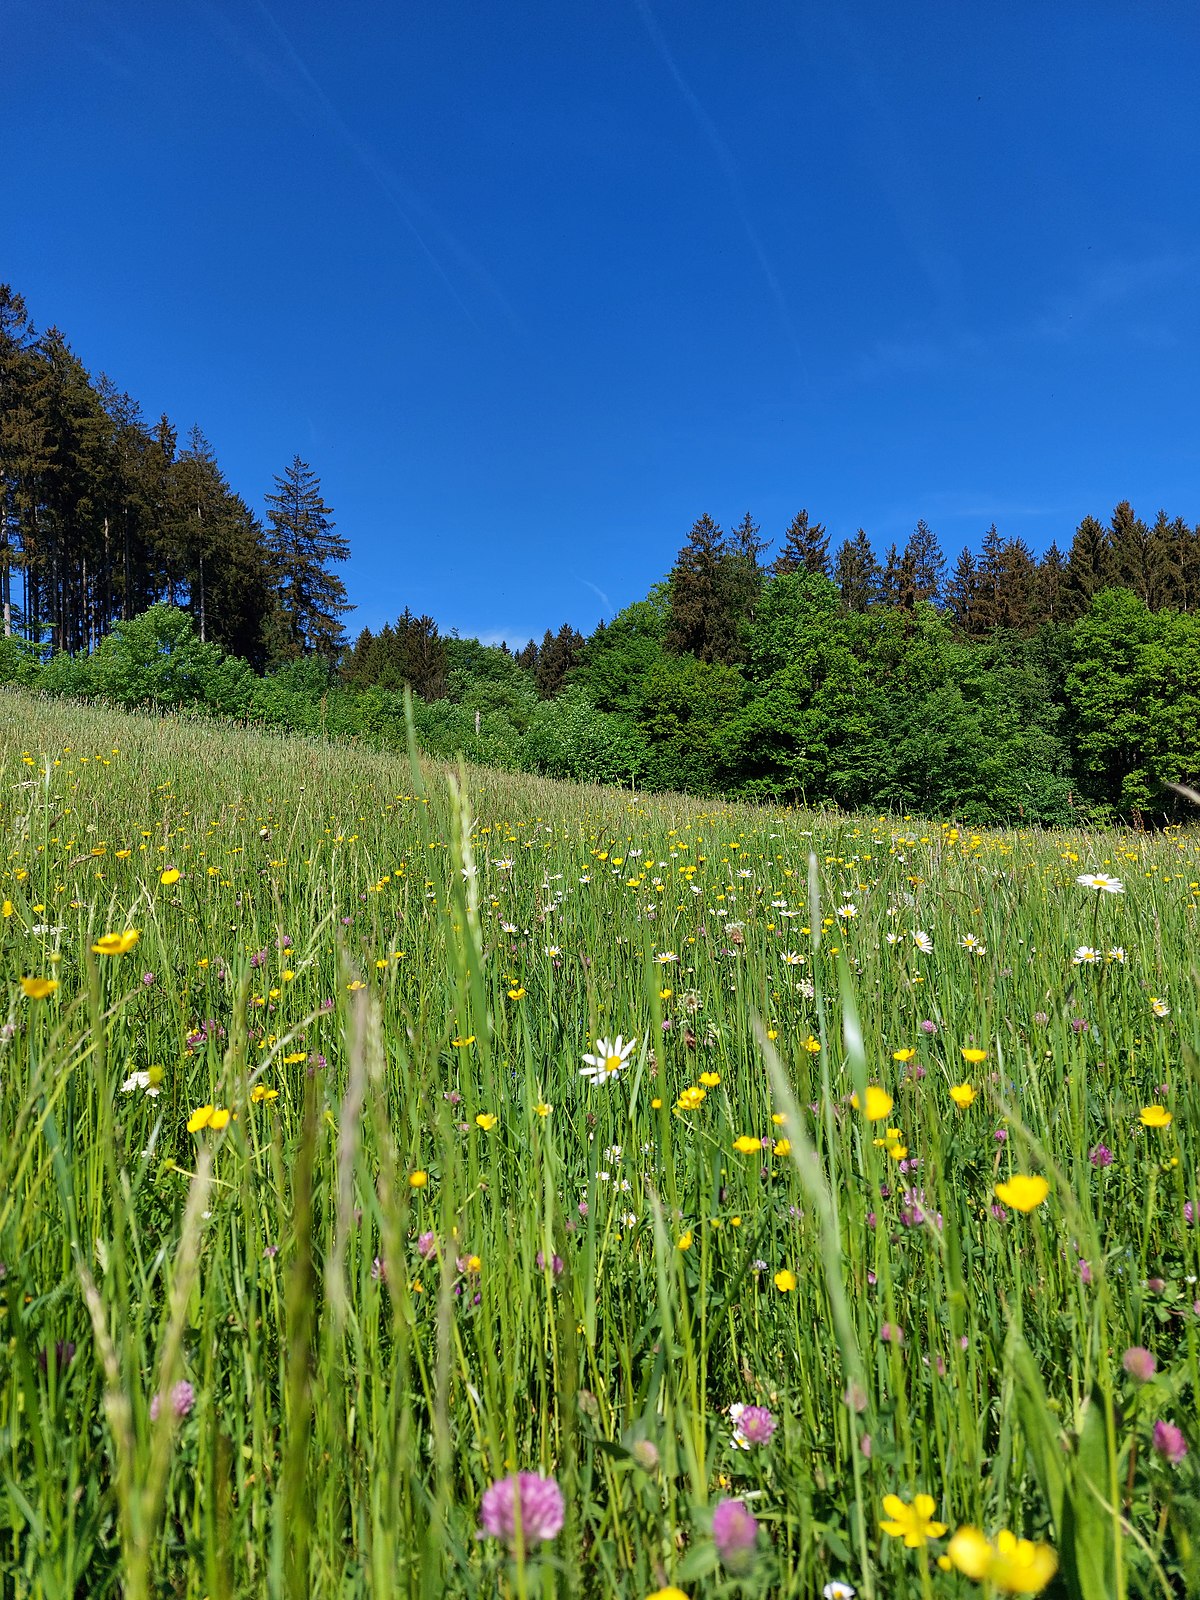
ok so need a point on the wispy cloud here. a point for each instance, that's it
(1109, 286)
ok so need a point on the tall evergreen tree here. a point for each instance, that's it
(805, 547)
(301, 543)
(962, 593)
(705, 618)
(1089, 565)
(924, 556)
(856, 573)
(1051, 590)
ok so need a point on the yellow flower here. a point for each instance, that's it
(116, 944)
(169, 877)
(669, 1593)
(199, 1118)
(906, 1054)
(1009, 1564)
(474, 1263)
(296, 1055)
(461, 1044)
(747, 1145)
(40, 988)
(665, 994)
(785, 1281)
(783, 1147)
(1150, 1117)
(912, 1523)
(691, 1099)
(962, 1094)
(486, 1120)
(974, 1055)
(219, 1119)
(260, 1092)
(7, 909)
(684, 1241)
(710, 1080)
(810, 1044)
(656, 1104)
(355, 985)
(418, 1179)
(1022, 1192)
(542, 1109)
(879, 1103)
(516, 994)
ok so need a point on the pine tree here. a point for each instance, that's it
(300, 543)
(805, 547)
(856, 573)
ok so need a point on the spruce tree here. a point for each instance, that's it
(924, 556)
(805, 547)
(704, 617)
(962, 593)
(856, 573)
(1089, 565)
(300, 544)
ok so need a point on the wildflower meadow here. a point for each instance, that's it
(419, 1182)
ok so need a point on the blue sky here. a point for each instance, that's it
(532, 286)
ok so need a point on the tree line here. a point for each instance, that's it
(1005, 687)
(103, 514)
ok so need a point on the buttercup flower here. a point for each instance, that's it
(1009, 1564)
(116, 944)
(878, 1103)
(39, 988)
(912, 1523)
(962, 1094)
(785, 1281)
(1154, 1117)
(1022, 1192)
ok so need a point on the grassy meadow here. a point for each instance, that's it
(313, 1227)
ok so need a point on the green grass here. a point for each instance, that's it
(340, 926)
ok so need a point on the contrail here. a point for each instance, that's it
(728, 168)
(596, 590)
(400, 195)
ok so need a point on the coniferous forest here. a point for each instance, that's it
(993, 685)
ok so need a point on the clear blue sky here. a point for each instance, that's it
(532, 285)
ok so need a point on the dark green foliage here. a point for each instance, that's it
(556, 656)
(856, 573)
(714, 585)
(805, 547)
(309, 600)
(409, 652)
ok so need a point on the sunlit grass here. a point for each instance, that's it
(424, 1252)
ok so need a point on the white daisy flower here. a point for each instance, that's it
(606, 1064)
(1085, 956)
(923, 942)
(1101, 882)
